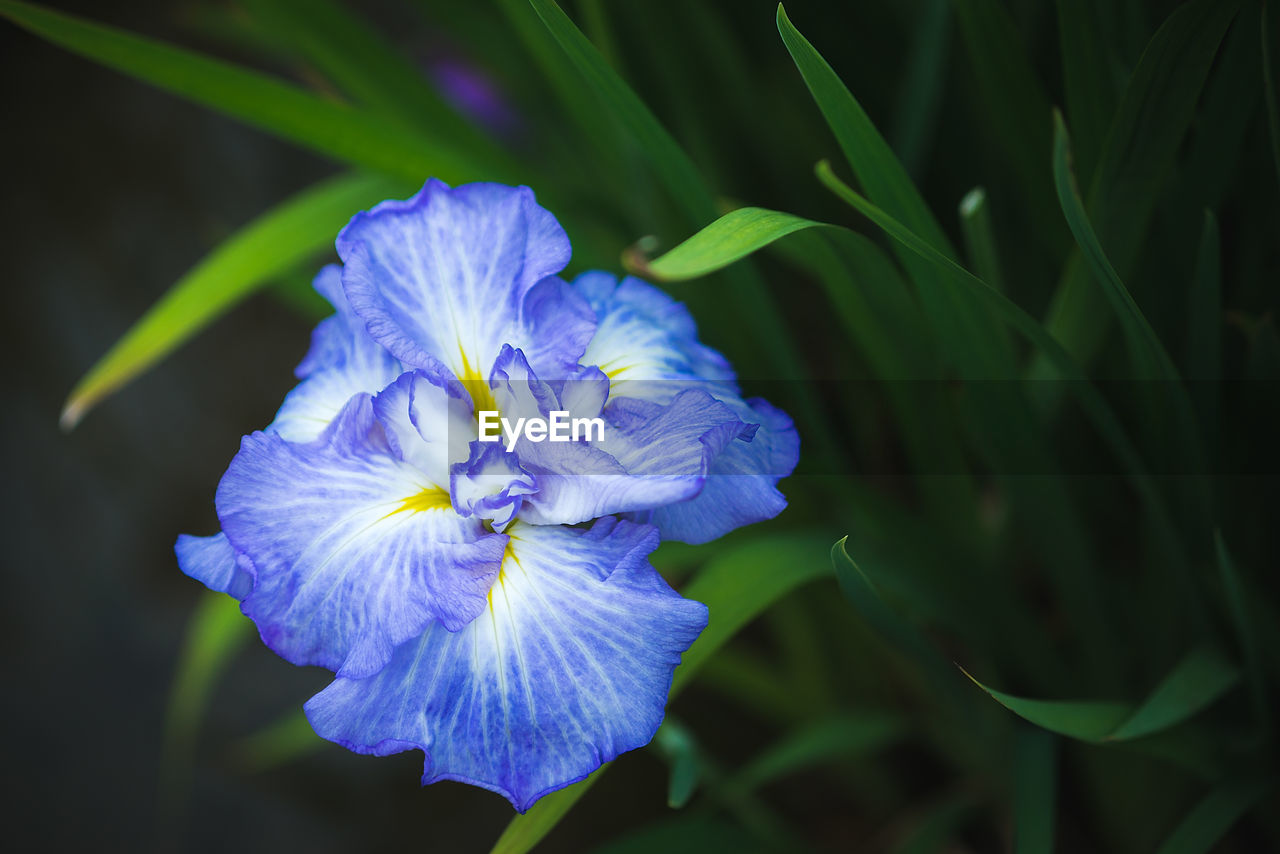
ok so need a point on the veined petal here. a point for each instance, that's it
(427, 423)
(447, 277)
(355, 550)
(647, 343)
(343, 361)
(568, 667)
(212, 562)
(741, 483)
(651, 455)
(644, 340)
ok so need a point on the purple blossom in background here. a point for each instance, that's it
(491, 605)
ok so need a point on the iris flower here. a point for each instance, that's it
(492, 606)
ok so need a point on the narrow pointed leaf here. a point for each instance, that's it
(1093, 404)
(323, 125)
(872, 160)
(1155, 111)
(753, 306)
(1198, 680)
(266, 247)
(1152, 360)
(1016, 108)
(730, 238)
(979, 238)
(1087, 720)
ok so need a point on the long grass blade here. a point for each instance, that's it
(326, 126)
(263, 249)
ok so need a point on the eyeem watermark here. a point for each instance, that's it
(491, 427)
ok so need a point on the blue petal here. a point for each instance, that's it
(652, 455)
(212, 562)
(569, 667)
(343, 361)
(648, 345)
(491, 485)
(741, 483)
(428, 424)
(447, 277)
(645, 338)
(355, 550)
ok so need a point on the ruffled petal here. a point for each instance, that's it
(568, 667)
(212, 562)
(355, 550)
(647, 343)
(343, 361)
(427, 423)
(741, 483)
(447, 277)
(644, 340)
(491, 485)
(651, 455)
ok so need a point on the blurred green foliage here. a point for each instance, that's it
(1050, 458)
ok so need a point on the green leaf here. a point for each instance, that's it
(818, 743)
(265, 248)
(916, 113)
(736, 586)
(730, 238)
(865, 597)
(323, 125)
(1213, 817)
(1154, 114)
(678, 746)
(1089, 80)
(871, 158)
(1094, 406)
(1151, 360)
(671, 165)
(343, 46)
(971, 338)
(979, 238)
(1017, 110)
(1198, 680)
(1035, 768)
(753, 306)
(1087, 720)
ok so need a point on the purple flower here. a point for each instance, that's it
(489, 602)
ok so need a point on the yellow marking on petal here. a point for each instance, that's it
(477, 386)
(507, 554)
(431, 498)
